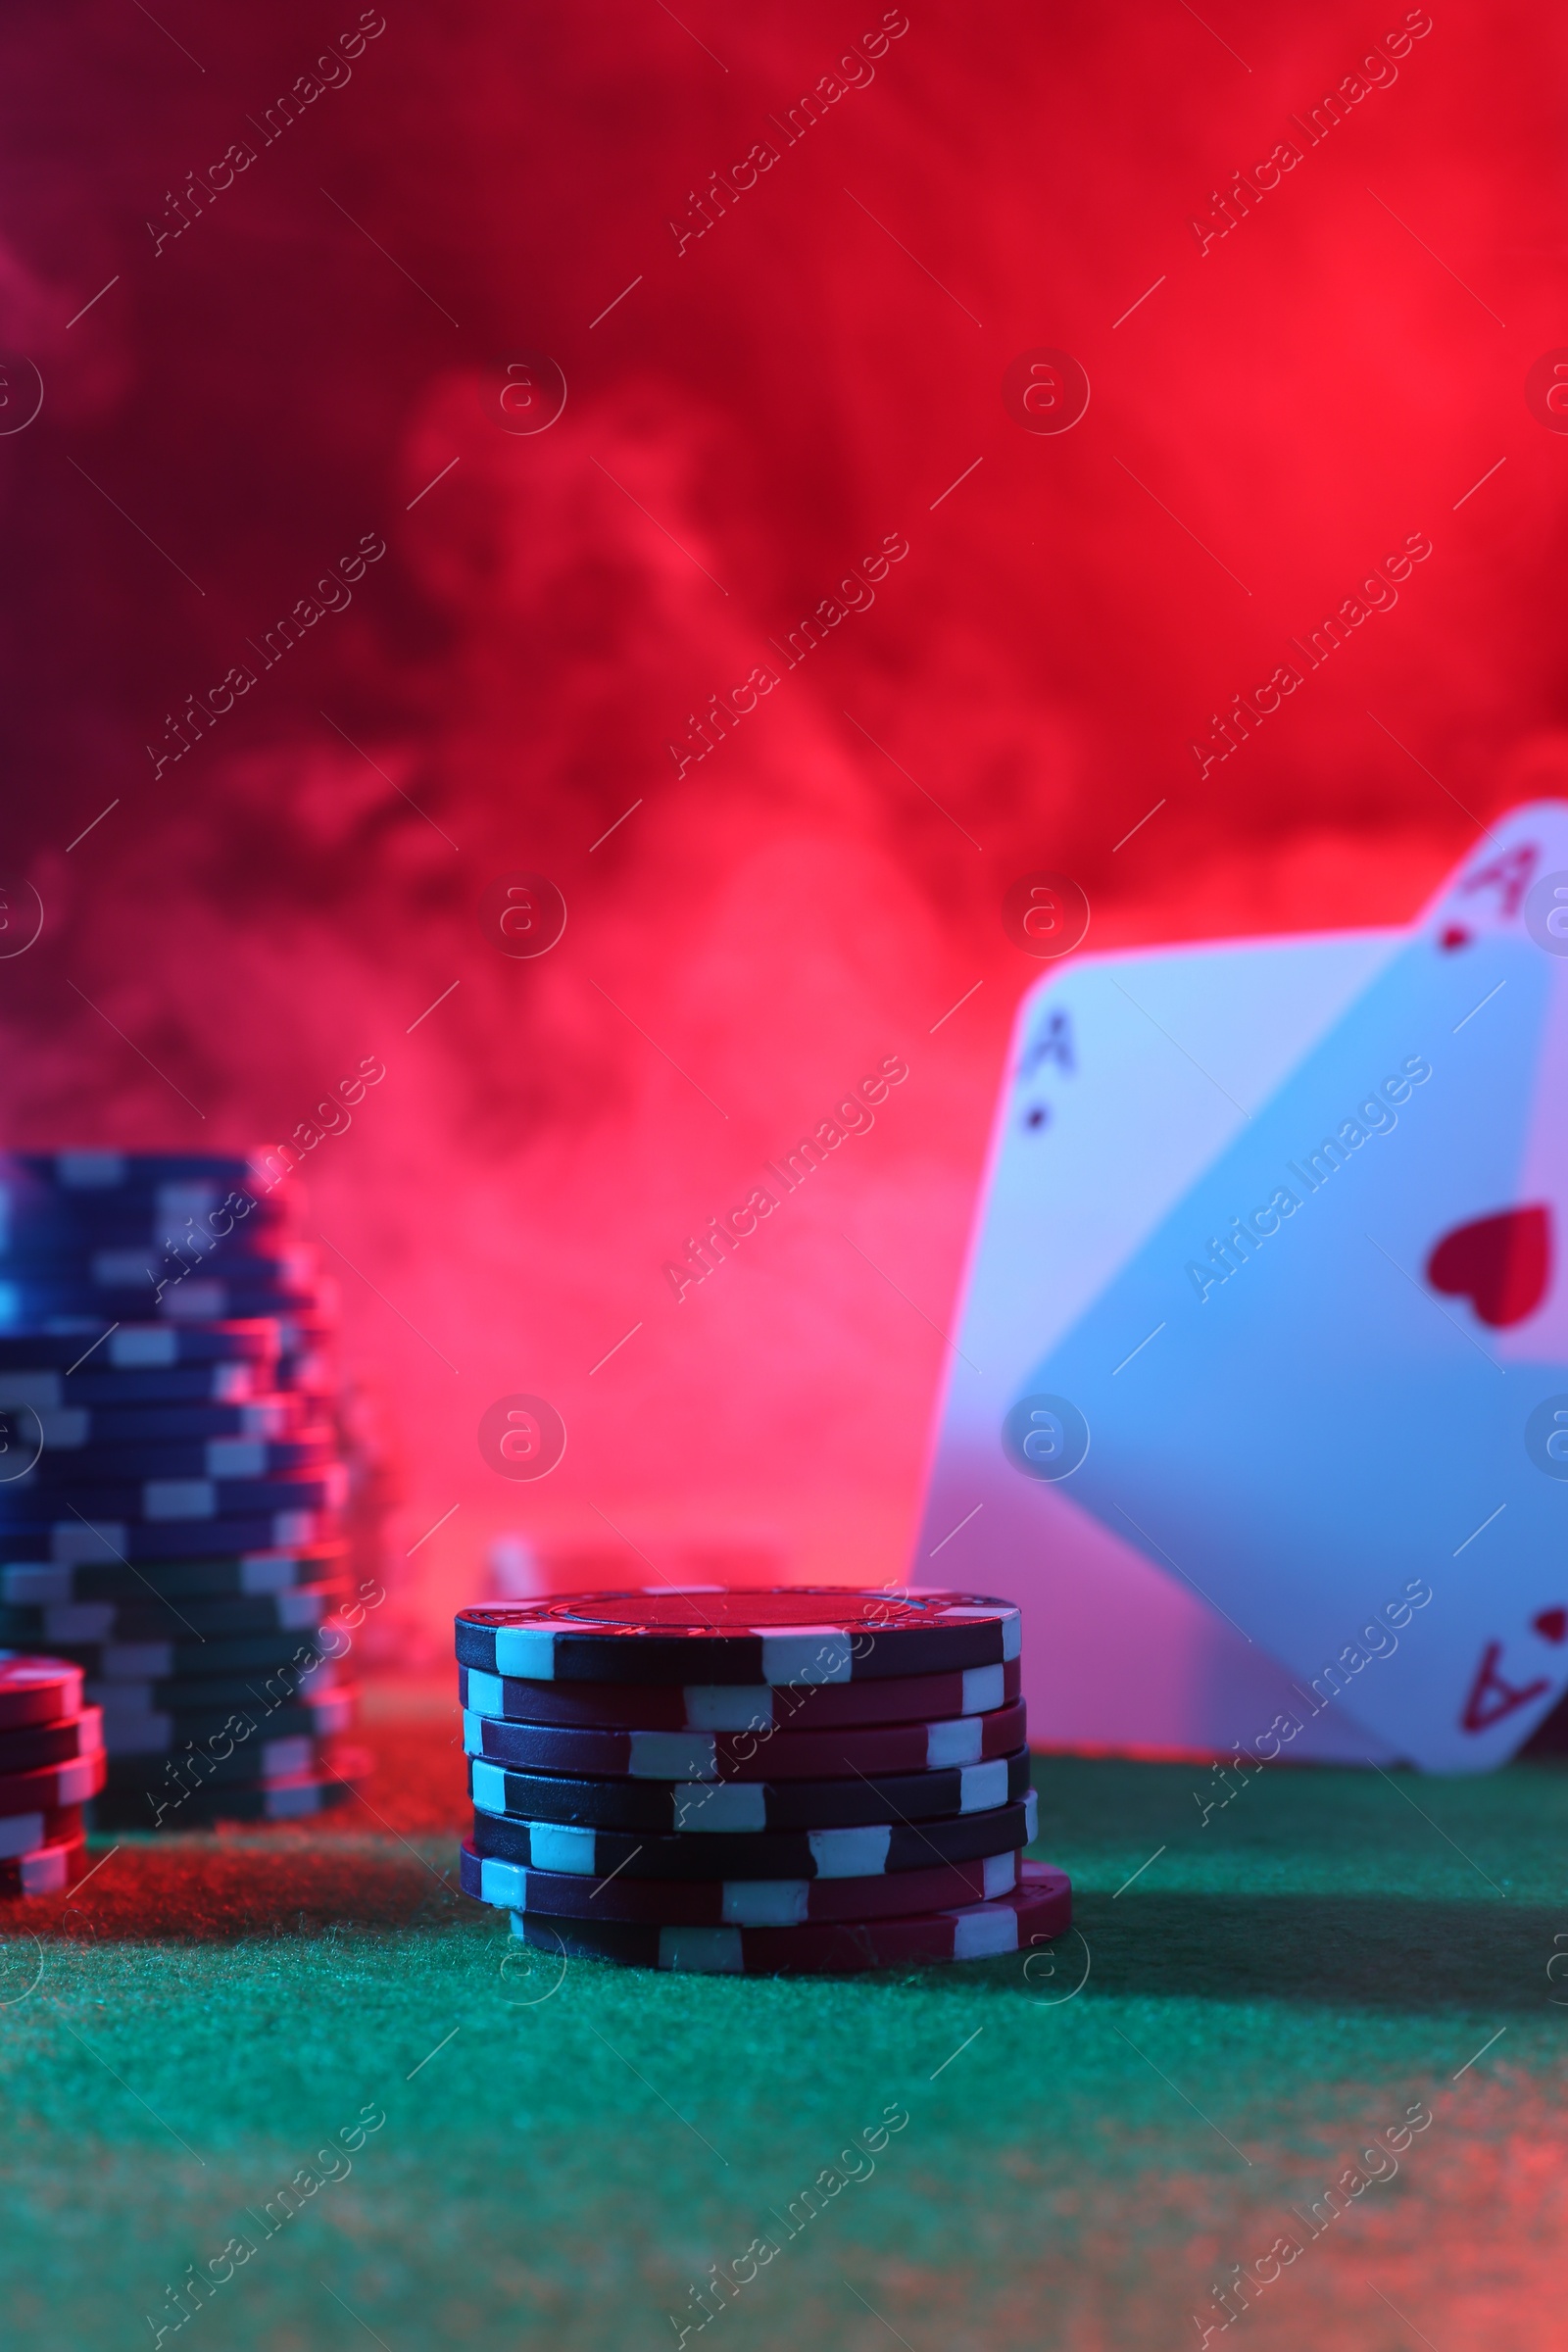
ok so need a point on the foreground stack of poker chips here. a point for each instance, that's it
(788, 1780)
(171, 1482)
(51, 1764)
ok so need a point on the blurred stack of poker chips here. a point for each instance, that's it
(753, 1780)
(171, 1487)
(51, 1762)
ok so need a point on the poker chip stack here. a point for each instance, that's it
(753, 1780)
(51, 1762)
(170, 1484)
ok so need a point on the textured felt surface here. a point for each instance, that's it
(563, 2157)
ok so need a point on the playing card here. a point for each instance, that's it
(1329, 1383)
(1127, 1076)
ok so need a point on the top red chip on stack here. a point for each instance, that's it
(696, 1634)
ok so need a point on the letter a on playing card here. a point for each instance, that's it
(1264, 1335)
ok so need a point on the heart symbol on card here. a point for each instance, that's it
(1552, 1625)
(1501, 1264)
(1455, 936)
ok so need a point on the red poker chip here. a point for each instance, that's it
(37, 1690)
(892, 1847)
(1039, 1908)
(42, 1743)
(47, 1869)
(749, 1808)
(50, 1785)
(22, 1833)
(733, 1902)
(750, 1756)
(777, 1634)
(740, 1707)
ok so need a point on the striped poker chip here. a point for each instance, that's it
(66, 1541)
(200, 1212)
(160, 1461)
(741, 1808)
(832, 1853)
(291, 1796)
(161, 1660)
(30, 1501)
(740, 1706)
(95, 1174)
(48, 1388)
(201, 1299)
(23, 1833)
(151, 1619)
(39, 1744)
(254, 1692)
(222, 1731)
(777, 1635)
(1037, 1909)
(734, 1903)
(91, 1429)
(38, 1584)
(708, 1756)
(155, 1232)
(45, 1869)
(139, 1346)
(72, 1251)
(121, 1251)
(48, 1786)
(37, 1690)
(203, 1764)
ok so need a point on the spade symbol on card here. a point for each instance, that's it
(1491, 1697)
(1501, 1264)
(1552, 1625)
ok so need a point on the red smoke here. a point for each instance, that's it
(296, 374)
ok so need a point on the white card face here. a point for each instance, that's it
(1329, 1381)
(1127, 1076)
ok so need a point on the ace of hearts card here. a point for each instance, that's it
(1260, 1397)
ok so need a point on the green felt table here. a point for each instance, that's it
(1250, 2002)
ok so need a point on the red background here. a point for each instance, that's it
(245, 402)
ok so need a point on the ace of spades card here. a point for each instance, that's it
(1260, 1395)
